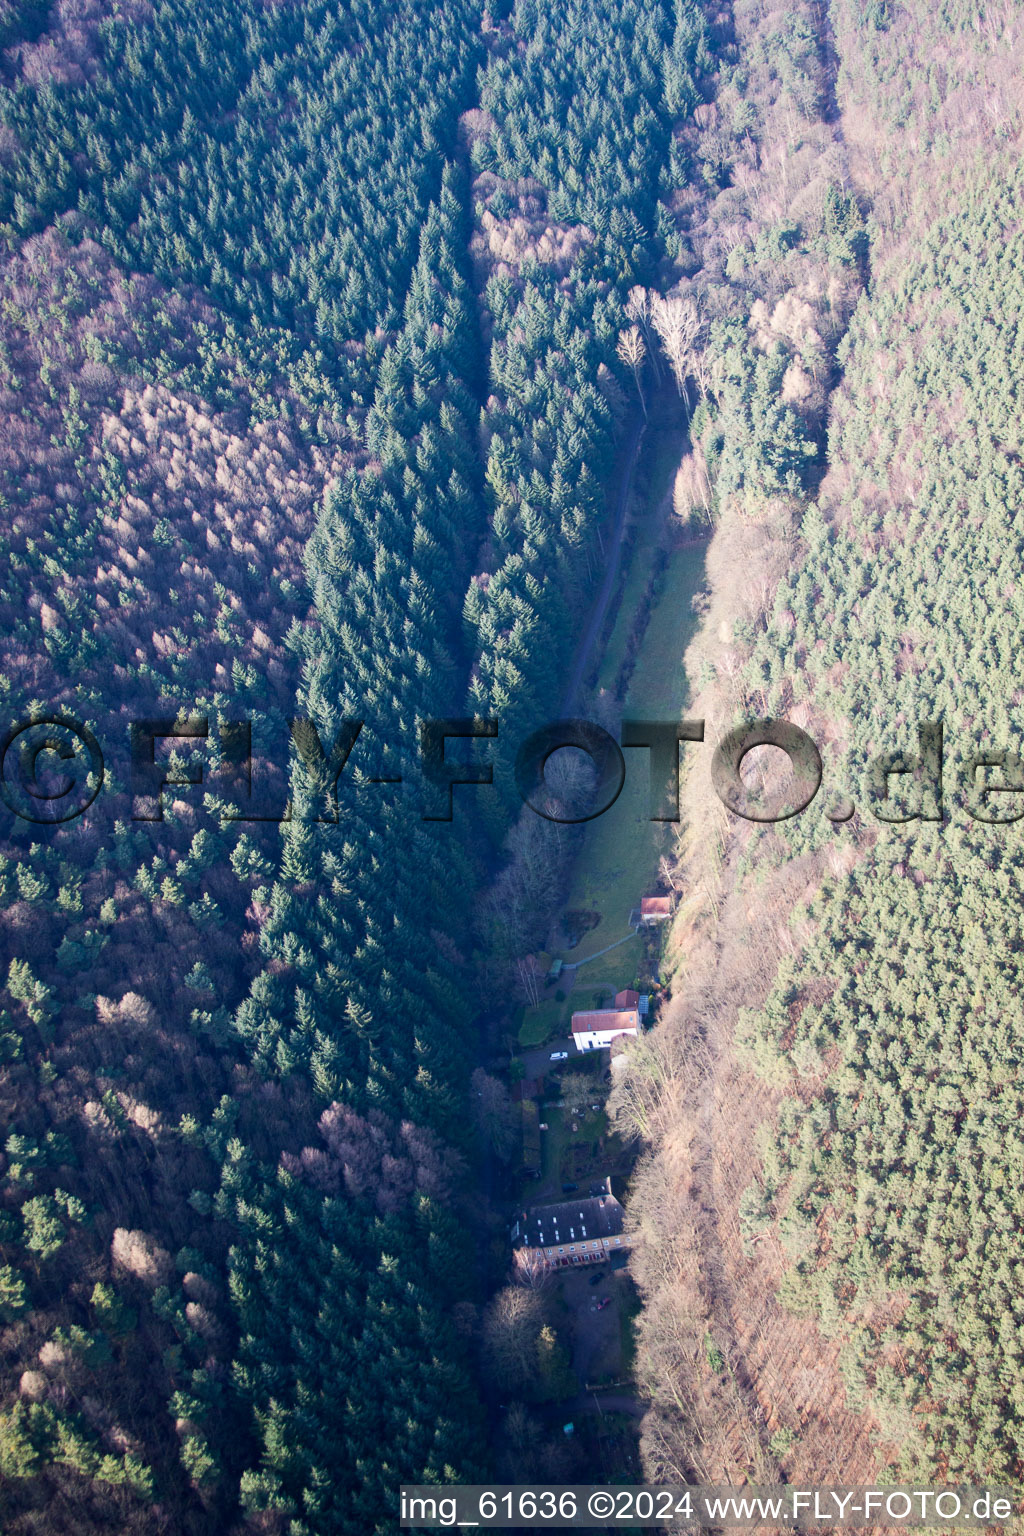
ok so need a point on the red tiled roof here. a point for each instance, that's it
(600, 1020)
(656, 906)
(627, 999)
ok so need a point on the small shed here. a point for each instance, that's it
(655, 909)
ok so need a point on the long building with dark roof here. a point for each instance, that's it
(572, 1232)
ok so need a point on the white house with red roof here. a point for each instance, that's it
(596, 1029)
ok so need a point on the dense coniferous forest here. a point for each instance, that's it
(869, 1048)
(571, 150)
(896, 1180)
(327, 332)
(273, 396)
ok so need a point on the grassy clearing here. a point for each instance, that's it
(595, 987)
(619, 857)
(545, 1022)
(554, 1139)
(621, 849)
(642, 558)
(611, 972)
(658, 687)
(662, 449)
(584, 1156)
(568, 1156)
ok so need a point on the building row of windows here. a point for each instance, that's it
(608, 1242)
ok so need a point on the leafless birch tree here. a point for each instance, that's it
(678, 325)
(632, 352)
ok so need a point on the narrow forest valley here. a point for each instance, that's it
(490, 364)
(826, 1177)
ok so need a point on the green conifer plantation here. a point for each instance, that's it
(267, 413)
(899, 1023)
(837, 1075)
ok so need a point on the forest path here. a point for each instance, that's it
(599, 612)
(574, 965)
(607, 1402)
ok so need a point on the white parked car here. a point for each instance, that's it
(559, 1056)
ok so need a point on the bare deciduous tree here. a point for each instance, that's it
(632, 351)
(678, 325)
(494, 1112)
(649, 1087)
(701, 370)
(639, 307)
(140, 1255)
(532, 1269)
(692, 486)
(511, 1325)
(577, 1091)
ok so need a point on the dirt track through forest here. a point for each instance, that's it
(599, 612)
